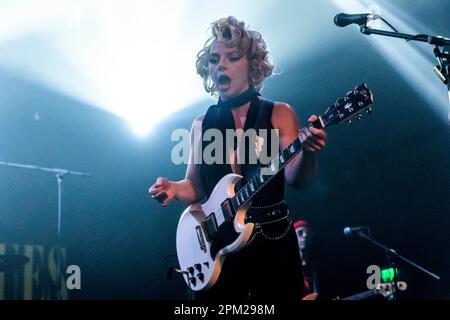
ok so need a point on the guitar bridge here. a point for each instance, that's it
(200, 238)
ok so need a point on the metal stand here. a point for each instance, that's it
(391, 253)
(442, 69)
(60, 174)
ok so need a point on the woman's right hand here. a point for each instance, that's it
(162, 191)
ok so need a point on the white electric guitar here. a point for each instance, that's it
(208, 232)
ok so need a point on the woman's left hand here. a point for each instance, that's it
(313, 139)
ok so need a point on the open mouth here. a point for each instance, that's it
(223, 80)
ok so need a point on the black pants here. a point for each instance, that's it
(263, 270)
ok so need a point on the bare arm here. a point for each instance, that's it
(302, 167)
(189, 189)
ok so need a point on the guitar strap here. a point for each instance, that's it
(259, 116)
(220, 117)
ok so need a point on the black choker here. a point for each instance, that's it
(239, 100)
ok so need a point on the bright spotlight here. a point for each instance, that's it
(141, 128)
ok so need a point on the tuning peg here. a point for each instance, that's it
(349, 123)
(358, 116)
(369, 110)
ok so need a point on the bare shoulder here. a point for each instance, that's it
(196, 129)
(200, 117)
(282, 108)
(198, 121)
(283, 113)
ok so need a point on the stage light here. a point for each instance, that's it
(133, 59)
(136, 60)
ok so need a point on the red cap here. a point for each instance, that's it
(301, 223)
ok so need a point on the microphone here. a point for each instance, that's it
(343, 19)
(349, 230)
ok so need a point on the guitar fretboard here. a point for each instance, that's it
(265, 174)
(354, 101)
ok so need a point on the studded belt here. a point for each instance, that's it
(270, 213)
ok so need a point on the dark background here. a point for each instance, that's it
(389, 171)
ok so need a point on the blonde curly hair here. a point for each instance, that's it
(235, 33)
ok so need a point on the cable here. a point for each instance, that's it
(388, 24)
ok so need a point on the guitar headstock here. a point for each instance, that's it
(352, 105)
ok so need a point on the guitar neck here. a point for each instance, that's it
(344, 108)
(265, 174)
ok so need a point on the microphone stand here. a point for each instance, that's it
(442, 70)
(60, 174)
(391, 253)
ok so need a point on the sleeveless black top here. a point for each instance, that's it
(259, 116)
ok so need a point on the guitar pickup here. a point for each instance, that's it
(227, 211)
(209, 227)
